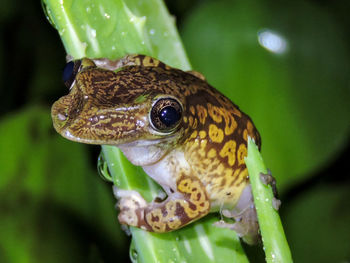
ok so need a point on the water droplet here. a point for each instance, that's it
(107, 16)
(61, 32)
(47, 12)
(134, 255)
(113, 47)
(143, 42)
(132, 19)
(152, 31)
(102, 168)
(88, 9)
(122, 33)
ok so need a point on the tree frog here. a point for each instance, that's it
(185, 134)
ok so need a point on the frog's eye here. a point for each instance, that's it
(166, 114)
(70, 71)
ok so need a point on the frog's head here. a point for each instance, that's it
(123, 108)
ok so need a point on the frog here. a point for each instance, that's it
(186, 135)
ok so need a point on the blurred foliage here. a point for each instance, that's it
(298, 99)
(54, 207)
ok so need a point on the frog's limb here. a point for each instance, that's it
(246, 222)
(129, 60)
(188, 203)
(268, 179)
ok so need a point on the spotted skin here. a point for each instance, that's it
(202, 158)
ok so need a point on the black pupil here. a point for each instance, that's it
(169, 116)
(68, 71)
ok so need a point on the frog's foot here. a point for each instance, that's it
(131, 205)
(187, 204)
(246, 225)
(268, 179)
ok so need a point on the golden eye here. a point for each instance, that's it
(166, 114)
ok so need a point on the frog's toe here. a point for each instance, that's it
(246, 226)
(268, 179)
(130, 205)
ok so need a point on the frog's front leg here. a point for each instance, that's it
(187, 204)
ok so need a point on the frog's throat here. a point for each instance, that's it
(144, 155)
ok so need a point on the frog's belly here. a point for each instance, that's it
(226, 199)
(224, 187)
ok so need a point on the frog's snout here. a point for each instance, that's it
(64, 111)
(59, 115)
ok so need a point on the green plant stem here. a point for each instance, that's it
(274, 241)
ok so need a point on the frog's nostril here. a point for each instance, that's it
(61, 117)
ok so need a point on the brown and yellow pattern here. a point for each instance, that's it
(110, 102)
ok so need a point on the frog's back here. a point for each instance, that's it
(215, 144)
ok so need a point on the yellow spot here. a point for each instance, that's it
(220, 168)
(192, 110)
(229, 151)
(202, 113)
(230, 123)
(215, 113)
(184, 185)
(194, 134)
(250, 128)
(190, 120)
(189, 211)
(202, 134)
(245, 134)
(187, 92)
(197, 197)
(215, 134)
(195, 123)
(173, 221)
(211, 153)
(241, 153)
(185, 119)
(155, 219)
(147, 61)
(237, 112)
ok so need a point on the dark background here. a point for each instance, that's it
(55, 208)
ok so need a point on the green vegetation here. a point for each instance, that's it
(53, 205)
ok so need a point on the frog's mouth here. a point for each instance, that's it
(81, 120)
